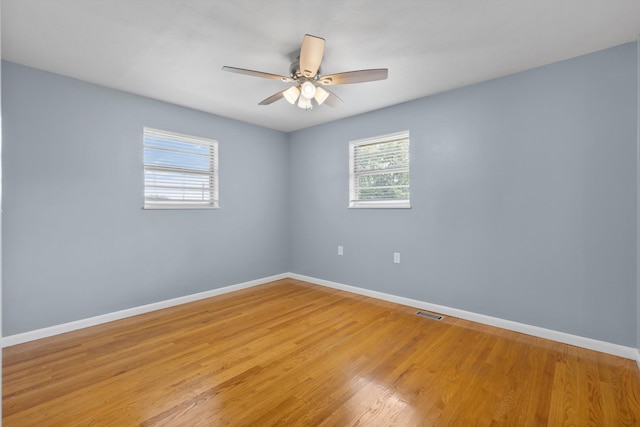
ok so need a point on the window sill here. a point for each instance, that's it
(180, 207)
(396, 204)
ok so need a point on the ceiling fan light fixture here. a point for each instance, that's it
(308, 90)
(291, 94)
(321, 95)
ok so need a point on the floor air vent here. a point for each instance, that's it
(429, 315)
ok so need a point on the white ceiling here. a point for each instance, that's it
(173, 50)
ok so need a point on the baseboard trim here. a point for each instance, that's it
(563, 337)
(117, 315)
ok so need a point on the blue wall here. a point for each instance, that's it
(77, 241)
(524, 201)
(523, 194)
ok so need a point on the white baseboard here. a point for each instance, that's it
(109, 317)
(563, 337)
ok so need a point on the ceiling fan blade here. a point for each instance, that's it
(333, 100)
(257, 74)
(311, 54)
(360, 76)
(273, 98)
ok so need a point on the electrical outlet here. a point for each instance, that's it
(340, 250)
(396, 257)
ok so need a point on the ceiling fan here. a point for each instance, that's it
(305, 73)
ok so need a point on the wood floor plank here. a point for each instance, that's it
(292, 353)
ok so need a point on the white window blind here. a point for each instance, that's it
(180, 171)
(379, 172)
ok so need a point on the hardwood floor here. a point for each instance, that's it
(291, 353)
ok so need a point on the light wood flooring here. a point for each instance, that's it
(291, 353)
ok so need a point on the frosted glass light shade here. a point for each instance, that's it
(321, 95)
(308, 90)
(304, 103)
(291, 94)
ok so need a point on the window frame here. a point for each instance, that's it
(377, 203)
(212, 173)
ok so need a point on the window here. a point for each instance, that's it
(379, 172)
(180, 171)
